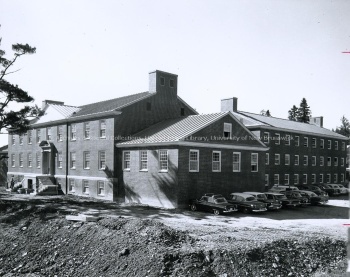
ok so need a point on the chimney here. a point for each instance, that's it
(318, 121)
(45, 102)
(229, 105)
(163, 82)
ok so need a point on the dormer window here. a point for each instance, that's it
(227, 130)
(171, 83)
(162, 81)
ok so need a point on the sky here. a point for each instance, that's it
(268, 53)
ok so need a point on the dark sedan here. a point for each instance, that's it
(324, 195)
(272, 203)
(312, 197)
(284, 200)
(214, 203)
(295, 195)
(246, 203)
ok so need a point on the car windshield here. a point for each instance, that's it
(313, 194)
(250, 198)
(279, 196)
(297, 194)
(261, 196)
(220, 200)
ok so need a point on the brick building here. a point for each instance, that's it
(3, 165)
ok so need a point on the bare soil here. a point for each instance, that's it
(134, 240)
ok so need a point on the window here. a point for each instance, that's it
(329, 144)
(329, 161)
(30, 136)
(313, 143)
(100, 188)
(296, 179)
(306, 142)
(49, 133)
(342, 177)
(313, 160)
(102, 160)
(328, 178)
(86, 130)
(86, 187)
(336, 145)
(304, 179)
(278, 139)
(13, 160)
(143, 160)
(236, 162)
(102, 128)
(297, 140)
(30, 160)
(59, 159)
(276, 179)
(216, 162)
(171, 83)
(20, 159)
(163, 160)
(162, 81)
(254, 162)
(296, 159)
(266, 137)
(322, 143)
(313, 178)
(286, 179)
(321, 161)
(227, 130)
(343, 146)
(38, 160)
(335, 180)
(335, 161)
(60, 133)
(71, 187)
(72, 160)
(287, 159)
(266, 180)
(148, 106)
(306, 160)
(126, 160)
(20, 139)
(321, 178)
(277, 159)
(267, 158)
(287, 142)
(86, 159)
(182, 111)
(194, 161)
(73, 132)
(342, 162)
(13, 139)
(38, 135)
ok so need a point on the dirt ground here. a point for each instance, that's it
(134, 240)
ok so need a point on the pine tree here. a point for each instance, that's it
(293, 113)
(344, 129)
(304, 112)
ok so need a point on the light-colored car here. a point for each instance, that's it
(343, 190)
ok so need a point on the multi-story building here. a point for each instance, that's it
(3, 165)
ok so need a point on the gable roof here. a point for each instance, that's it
(251, 120)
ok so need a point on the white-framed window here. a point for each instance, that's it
(313, 160)
(321, 179)
(321, 161)
(313, 143)
(162, 81)
(266, 137)
(13, 139)
(38, 159)
(304, 179)
(328, 178)
(30, 136)
(286, 179)
(277, 159)
(21, 139)
(267, 158)
(13, 160)
(335, 161)
(86, 130)
(313, 178)
(329, 161)
(236, 162)
(342, 161)
(227, 130)
(71, 186)
(103, 128)
(101, 160)
(20, 159)
(305, 160)
(101, 188)
(329, 144)
(216, 161)
(322, 143)
(163, 160)
(59, 159)
(335, 178)
(72, 160)
(306, 142)
(38, 135)
(49, 133)
(278, 139)
(143, 160)
(342, 177)
(86, 187)
(296, 179)
(296, 159)
(73, 131)
(126, 160)
(60, 133)
(287, 159)
(254, 162)
(287, 142)
(336, 145)
(267, 180)
(297, 140)
(86, 159)
(276, 179)
(194, 161)
(343, 146)
(30, 160)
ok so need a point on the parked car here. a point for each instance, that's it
(272, 204)
(324, 195)
(295, 195)
(284, 200)
(338, 189)
(246, 202)
(282, 188)
(325, 187)
(211, 202)
(343, 189)
(312, 197)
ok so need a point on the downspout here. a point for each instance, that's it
(67, 158)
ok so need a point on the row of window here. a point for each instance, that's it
(60, 136)
(193, 161)
(72, 188)
(287, 160)
(296, 179)
(287, 141)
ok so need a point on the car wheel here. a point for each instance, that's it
(193, 207)
(216, 212)
(246, 211)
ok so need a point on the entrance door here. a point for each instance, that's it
(46, 162)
